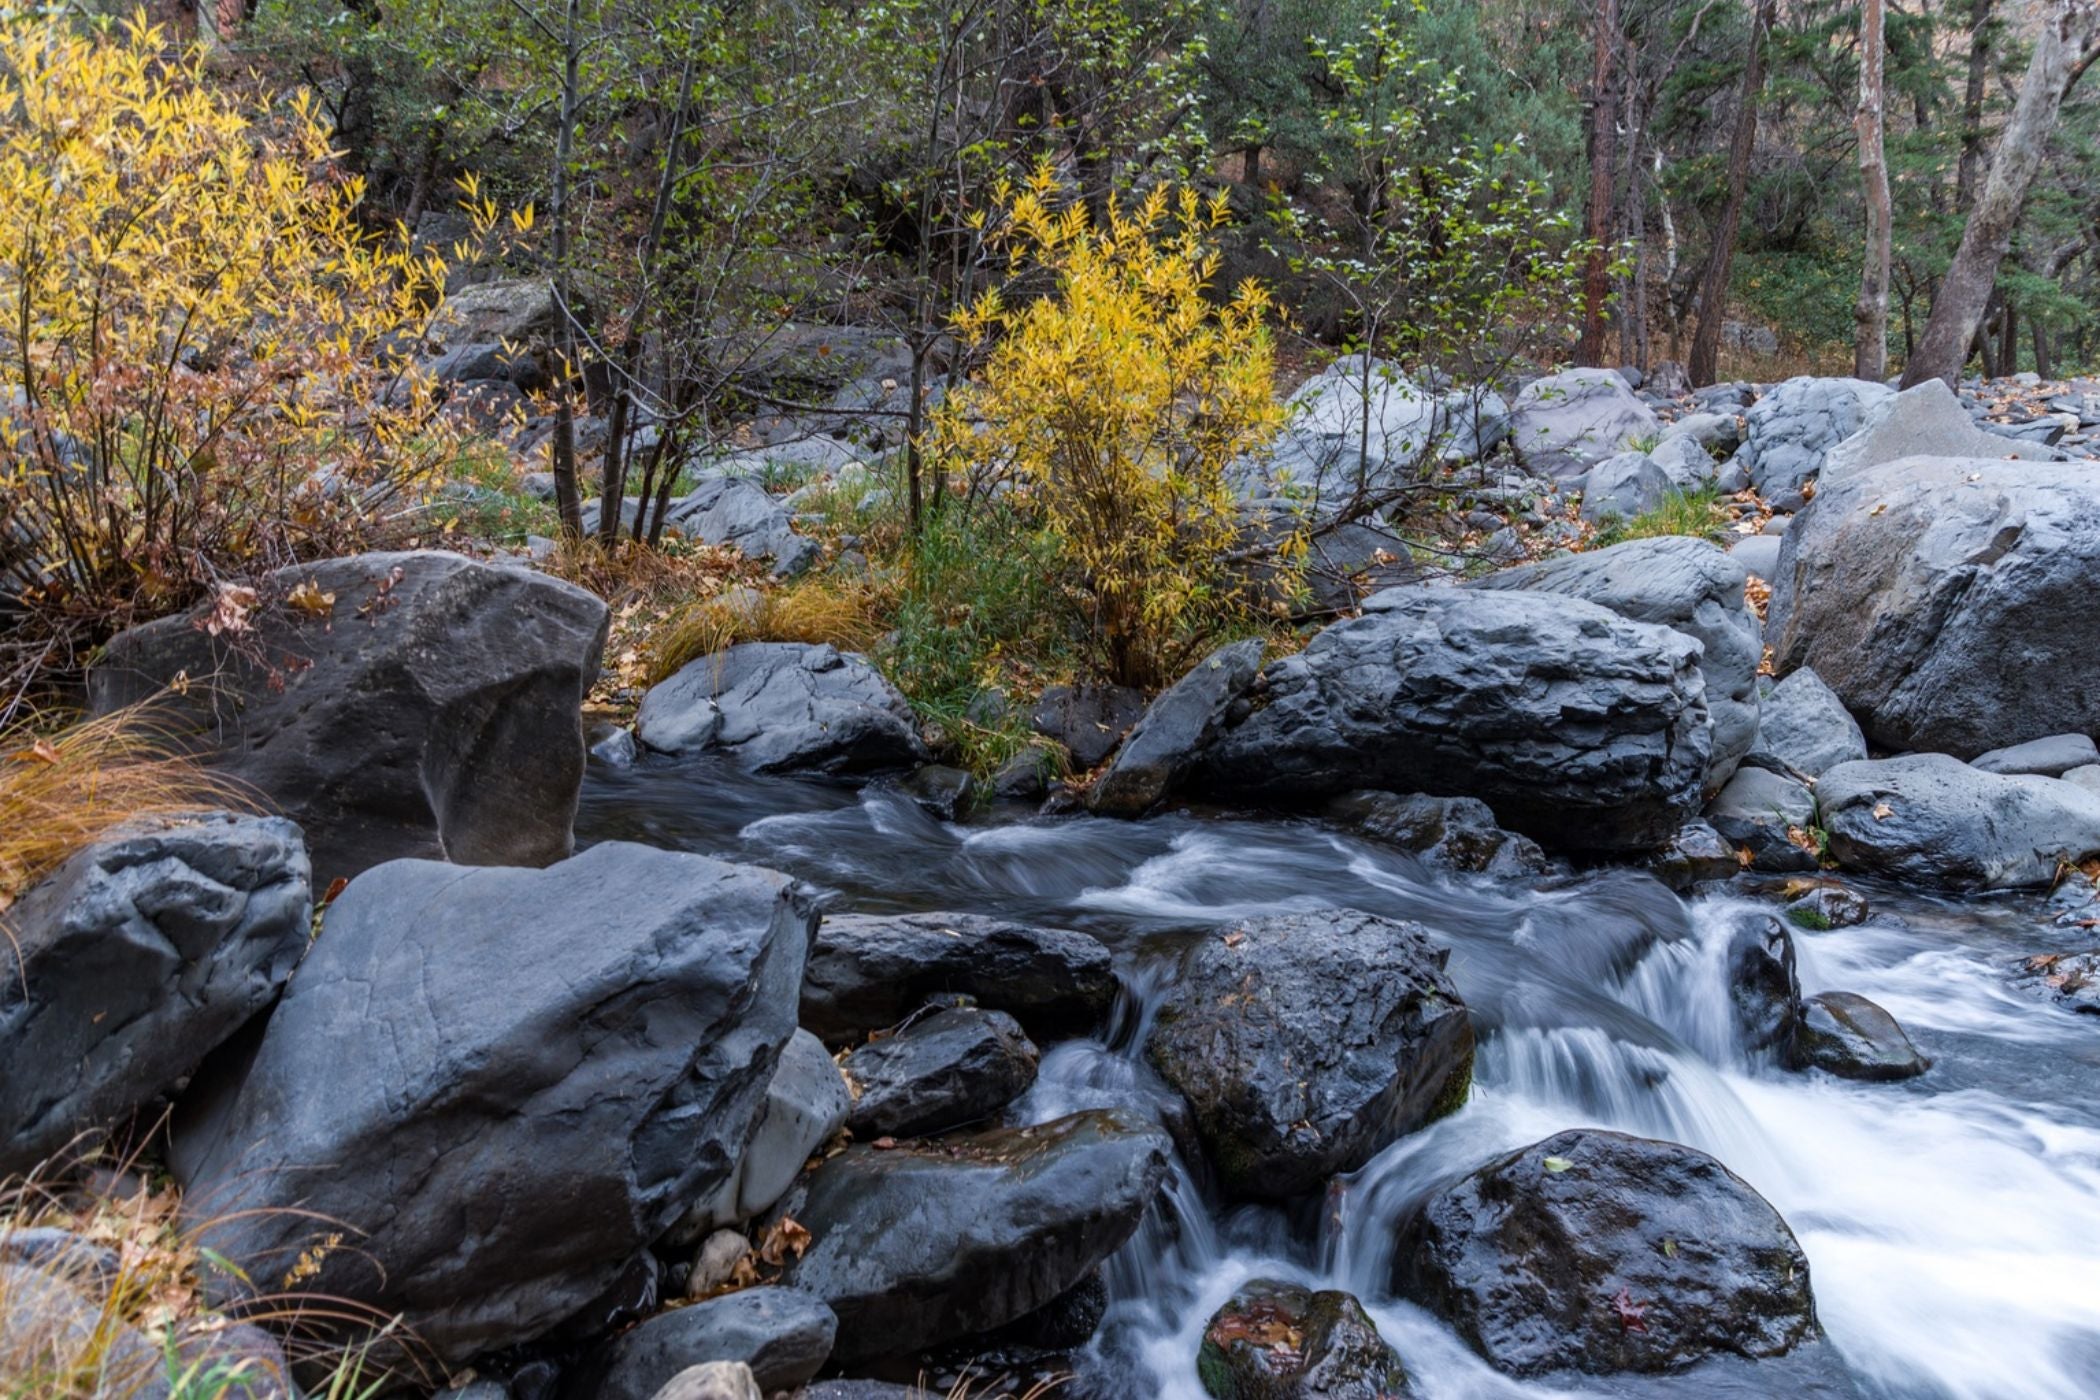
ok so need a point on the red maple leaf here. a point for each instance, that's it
(1630, 1312)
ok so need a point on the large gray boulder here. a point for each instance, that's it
(1562, 423)
(1767, 814)
(1595, 1251)
(728, 510)
(1622, 487)
(137, 958)
(1925, 420)
(783, 1334)
(1788, 432)
(783, 707)
(1802, 727)
(999, 1224)
(1689, 586)
(2049, 758)
(1948, 603)
(869, 971)
(1577, 726)
(1330, 450)
(133, 961)
(1159, 751)
(1931, 819)
(1306, 1043)
(418, 704)
(492, 1089)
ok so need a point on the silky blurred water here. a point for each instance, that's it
(1952, 1223)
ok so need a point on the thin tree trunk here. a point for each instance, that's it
(568, 501)
(1971, 167)
(1870, 355)
(2068, 30)
(1713, 296)
(2043, 365)
(1603, 139)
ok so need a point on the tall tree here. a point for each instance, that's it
(1603, 139)
(1870, 345)
(2070, 29)
(1713, 291)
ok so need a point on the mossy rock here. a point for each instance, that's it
(1281, 1341)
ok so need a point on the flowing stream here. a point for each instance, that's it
(1952, 1223)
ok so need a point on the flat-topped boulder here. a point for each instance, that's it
(1579, 727)
(1933, 819)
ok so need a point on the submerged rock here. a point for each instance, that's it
(1282, 1341)
(1853, 1038)
(501, 1135)
(928, 1242)
(940, 1072)
(775, 707)
(1936, 820)
(1763, 989)
(1304, 1043)
(416, 704)
(1595, 1251)
(135, 959)
(1578, 727)
(1452, 833)
(869, 971)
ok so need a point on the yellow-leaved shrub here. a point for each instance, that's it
(193, 334)
(1112, 407)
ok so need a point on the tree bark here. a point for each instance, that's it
(568, 501)
(2069, 28)
(1713, 295)
(1870, 354)
(1603, 143)
(1971, 167)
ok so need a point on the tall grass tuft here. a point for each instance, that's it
(62, 788)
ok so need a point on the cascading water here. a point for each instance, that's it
(1950, 1221)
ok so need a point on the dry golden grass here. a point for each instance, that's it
(63, 787)
(847, 614)
(141, 1276)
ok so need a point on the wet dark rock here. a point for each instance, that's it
(1281, 1341)
(1763, 988)
(946, 793)
(783, 1334)
(606, 1071)
(775, 707)
(1089, 720)
(2072, 980)
(806, 1102)
(1578, 727)
(1026, 776)
(869, 971)
(1769, 815)
(1827, 907)
(929, 1242)
(1934, 597)
(1453, 833)
(940, 1072)
(1684, 584)
(860, 1390)
(419, 704)
(1305, 1043)
(135, 959)
(1063, 1324)
(1164, 744)
(1935, 820)
(1853, 1038)
(632, 1295)
(1599, 1252)
(1697, 853)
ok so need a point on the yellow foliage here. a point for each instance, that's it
(1115, 406)
(843, 613)
(192, 323)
